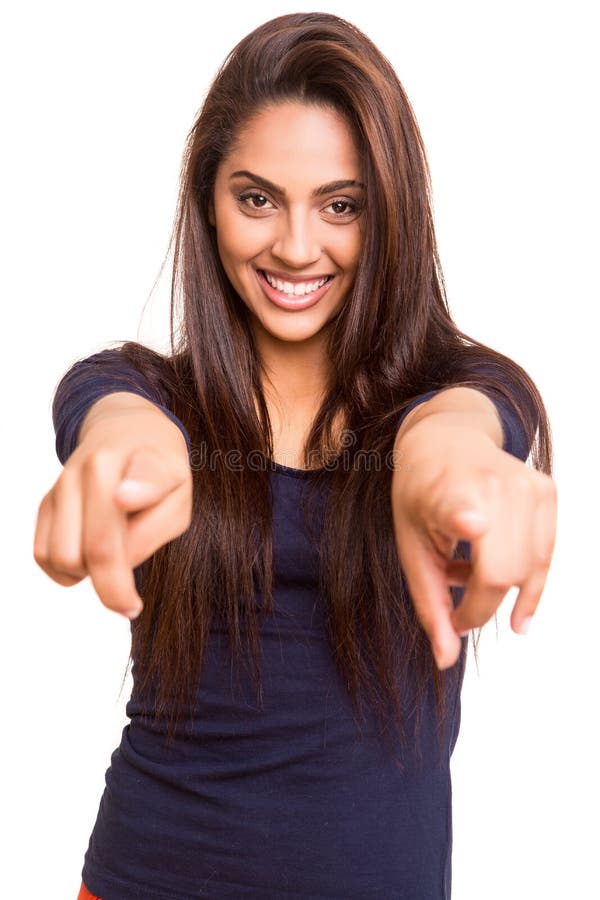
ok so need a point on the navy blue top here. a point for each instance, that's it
(290, 800)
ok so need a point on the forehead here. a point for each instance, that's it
(290, 142)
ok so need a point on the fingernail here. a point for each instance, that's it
(133, 613)
(443, 663)
(129, 486)
(441, 658)
(524, 626)
(473, 516)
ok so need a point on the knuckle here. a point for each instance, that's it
(481, 618)
(65, 579)
(493, 482)
(40, 556)
(543, 557)
(100, 549)
(65, 490)
(67, 481)
(523, 481)
(467, 616)
(496, 580)
(48, 498)
(183, 471)
(69, 473)
(475, 612)
(545, 484)
(45, 507)
(67, 561)
(182, 510)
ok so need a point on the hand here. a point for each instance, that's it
(124, 492)
(454, 483)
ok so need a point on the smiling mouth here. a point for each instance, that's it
(293, 296)
(295, 288)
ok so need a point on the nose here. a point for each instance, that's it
(297, 242)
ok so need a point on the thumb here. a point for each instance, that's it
(145, 480)
(468, 522)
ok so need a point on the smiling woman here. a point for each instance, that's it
(302, 506)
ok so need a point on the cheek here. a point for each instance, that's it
(349, 247)
(237, 239)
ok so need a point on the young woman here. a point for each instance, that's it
(303, 508)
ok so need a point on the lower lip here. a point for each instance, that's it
(286, 301)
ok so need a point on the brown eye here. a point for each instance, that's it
(256, 200)
(343, 209)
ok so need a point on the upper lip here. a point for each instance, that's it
(286, 277)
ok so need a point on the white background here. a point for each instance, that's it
(97, 101)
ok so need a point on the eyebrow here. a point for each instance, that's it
(329, 188)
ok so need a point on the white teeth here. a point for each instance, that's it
(298, 289)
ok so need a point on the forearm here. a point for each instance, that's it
(457, 406)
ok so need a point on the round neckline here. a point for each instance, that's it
(280, 469)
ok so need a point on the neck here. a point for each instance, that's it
(296, 374)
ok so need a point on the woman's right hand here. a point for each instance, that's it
(125, 491)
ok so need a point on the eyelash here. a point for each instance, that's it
(248, 195)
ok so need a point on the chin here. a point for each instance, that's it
(293, 331)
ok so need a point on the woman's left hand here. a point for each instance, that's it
(451, 483)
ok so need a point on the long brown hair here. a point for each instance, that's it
(393, 340)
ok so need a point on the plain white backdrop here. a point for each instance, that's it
(97, 102)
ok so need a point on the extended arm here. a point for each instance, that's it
(126, 486)
(453, 481)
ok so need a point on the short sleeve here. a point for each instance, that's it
(87, 381)
(515, 440)
(514, 436)
(415, 403)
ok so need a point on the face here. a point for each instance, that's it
(287, 212)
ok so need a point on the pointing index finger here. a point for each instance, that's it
(428, 588)
(104, 536)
